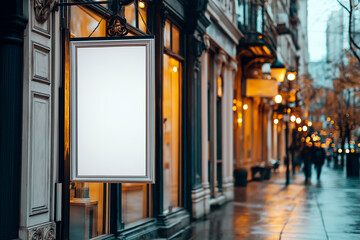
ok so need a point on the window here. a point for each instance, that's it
(172, 81)
(88, 210)
(172, 39)
(171, 132)
(135, 204)
(137, 17)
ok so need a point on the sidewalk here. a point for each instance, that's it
(329, 209)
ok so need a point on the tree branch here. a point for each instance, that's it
(342, 5)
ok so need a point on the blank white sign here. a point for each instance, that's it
(112, 90)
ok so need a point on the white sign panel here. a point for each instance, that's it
(112, 110)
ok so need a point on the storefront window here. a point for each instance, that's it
(171, 132)
(167, 35)
(85, 23)
(137, 17)
(88, 210)
(135, 204)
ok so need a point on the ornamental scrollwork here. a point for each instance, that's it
(42, 9)
(117, 26)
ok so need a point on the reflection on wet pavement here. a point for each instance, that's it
(267, 210)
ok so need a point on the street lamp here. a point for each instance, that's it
(278, 71)
(298, 120)
(291, 76)
(292, 118)
(278, 98)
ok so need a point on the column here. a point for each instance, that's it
(12, 28)
(220, 60)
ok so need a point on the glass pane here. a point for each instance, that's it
(240, 12)
(134, 200)
(130, 14)
(171, 132)
(88, 212)
(167, 35)
(84, 22)
(175, 39)
(142, 16)
(259, 20)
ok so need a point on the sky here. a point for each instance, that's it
(318, 14)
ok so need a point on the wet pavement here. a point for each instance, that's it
(326, 209)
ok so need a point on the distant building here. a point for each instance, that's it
(320, 72)
(337, 40)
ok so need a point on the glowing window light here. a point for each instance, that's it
(276, 121)
(340, 150)
(292, 118)
(245, 107)
(347, 150)
(304, 128)
(309, 123)
(298, 120)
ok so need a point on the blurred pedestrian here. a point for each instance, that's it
(305, 154)
(319, 159)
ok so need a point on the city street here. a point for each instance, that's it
(267, 210)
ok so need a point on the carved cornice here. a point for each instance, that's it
(42, 9)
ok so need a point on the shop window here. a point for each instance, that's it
(171, 132)
(167, 35)
(85, 23)
(137, 17)
(172, 38)
(135, 204)
(88, 210)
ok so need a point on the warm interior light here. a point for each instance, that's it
(278, 98)
(305, 128)
(347, 150)
(328, 119)
(352, 150)
(309, 124)
(234, 108)
(219, 87)
(298, 120)
(245, 107)
(340, 150)
(291, 76)
(175, 69)
(333, 145)
(332, 122)
(299, 129)
(292, 118)
(141, 5)
(278, 71)
(239, 120)
(276, 121)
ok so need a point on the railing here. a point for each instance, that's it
(256, 23)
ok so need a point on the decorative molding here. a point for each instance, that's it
(42, 232)
(42, 9)
(39, 162)
(232, 65)
(41, 63)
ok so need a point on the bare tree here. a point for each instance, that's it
(353, 45)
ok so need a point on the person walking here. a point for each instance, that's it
(305, 154)
(319, 159)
